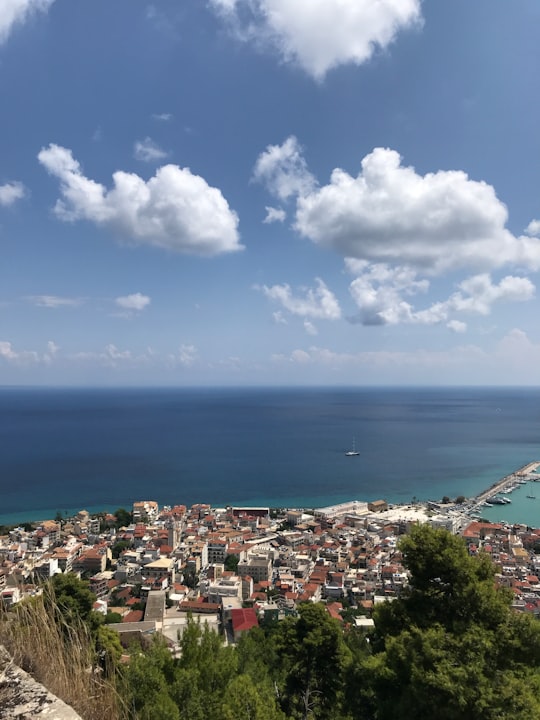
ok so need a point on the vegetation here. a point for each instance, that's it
(60, 651)
(450, 648)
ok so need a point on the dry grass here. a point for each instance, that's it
(59, 655)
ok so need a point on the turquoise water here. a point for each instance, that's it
(521, 510)
(68, 449)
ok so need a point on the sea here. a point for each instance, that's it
(67, 449)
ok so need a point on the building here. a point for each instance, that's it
(258, 566)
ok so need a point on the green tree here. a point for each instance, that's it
(312, 656)
(450, 648)
(147, 679)
(123, 517)
(246, 700)
(231, 562)
(71, 595)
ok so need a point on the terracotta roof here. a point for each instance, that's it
(243, 619)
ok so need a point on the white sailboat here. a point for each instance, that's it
(353, 452)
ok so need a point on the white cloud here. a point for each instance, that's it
(319, 302)
(279, 318)
(11, 192)
(174, 209)
(17, 357)
(14, 12)
(434, 223)
(148, 151)
(52, 352)
(457, 326)
(320, 34)
(186, 356)
(533, 228)
(162, 117)
(283, 170)
(134, 302)
(54, 301)
(379, 292)
(310, 328)
(274, 215)
(512, 360)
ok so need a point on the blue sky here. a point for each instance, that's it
(259, 192)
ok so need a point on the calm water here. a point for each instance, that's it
(68, 449)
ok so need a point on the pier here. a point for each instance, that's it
(501, 485)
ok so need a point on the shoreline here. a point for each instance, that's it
(474, 503)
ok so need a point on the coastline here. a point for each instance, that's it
(474, 504)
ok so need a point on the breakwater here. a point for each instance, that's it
(507, 481)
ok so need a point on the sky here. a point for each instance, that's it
(269, 192)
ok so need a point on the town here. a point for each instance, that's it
(153, 568)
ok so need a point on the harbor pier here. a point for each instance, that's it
(506, 481)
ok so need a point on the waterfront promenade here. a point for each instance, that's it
(502, 484)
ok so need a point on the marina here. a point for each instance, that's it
(494, 503)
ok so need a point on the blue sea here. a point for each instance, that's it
(68, 449)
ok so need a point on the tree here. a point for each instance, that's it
(447, 647)
(231, 562)
(246, 700)
(123, 517)
(71, 595)
(312, 655)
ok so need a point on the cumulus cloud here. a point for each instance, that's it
(283, 170)
(148, 151)
(174, 209)
(27, 357)
(11, 192)
(379, 292)
(319, 35)
(310, 328)
(391, 214)
(533, 228)
(54, 301)
(274, 215)
(13, 12)
(135, 302)
(318, 302)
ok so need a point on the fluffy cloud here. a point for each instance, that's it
(390, 214)
(135, 302)
(174, 209)
(11, 192)
(310, 328)
(379, 292)
(319, 302)
(18, 11)
(320, 34)
(283, 170)
(533, 228)
(148, 151)
(274, 215)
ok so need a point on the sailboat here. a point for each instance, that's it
(353, 452)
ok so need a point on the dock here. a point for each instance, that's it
(506, 481)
